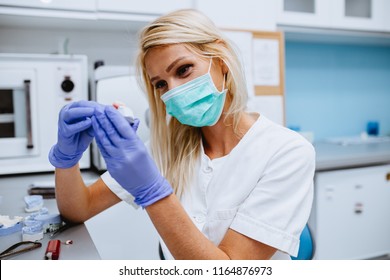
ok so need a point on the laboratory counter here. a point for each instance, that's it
(349, 218)
(13, 189)
(331, 156)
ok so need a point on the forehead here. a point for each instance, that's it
(161, 56)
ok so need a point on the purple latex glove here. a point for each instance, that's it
(75, 133)
(127, 158)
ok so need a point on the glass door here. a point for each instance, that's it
(17, 123)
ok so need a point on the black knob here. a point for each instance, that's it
(98, 63)
(67, 85)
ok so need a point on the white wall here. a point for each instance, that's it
(114, 47)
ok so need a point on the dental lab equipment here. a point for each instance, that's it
(12, 250)
(32, 230)
(53, 250)
(10, 225)
(33, 203)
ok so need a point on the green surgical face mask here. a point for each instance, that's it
(196, 103)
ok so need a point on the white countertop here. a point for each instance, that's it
(335, 156)
(12, 192)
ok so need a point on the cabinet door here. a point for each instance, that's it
(366, 15)
(84, 5)
(18, 111)
(386, 17)
(144, 6)
(244, 14)
(135, 236)
(305, 13)
(352, 213)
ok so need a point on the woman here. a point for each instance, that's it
(223, 183)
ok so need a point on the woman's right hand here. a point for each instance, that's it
(127, 159)
(75, 133)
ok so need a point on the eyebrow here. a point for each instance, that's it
(154, 78)
(169, 68)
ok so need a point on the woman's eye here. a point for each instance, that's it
(160, 84)
(184, 70)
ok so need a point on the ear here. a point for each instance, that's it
(223, 66)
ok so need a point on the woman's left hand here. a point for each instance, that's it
(127, 158)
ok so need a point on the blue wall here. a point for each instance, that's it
(334, 89)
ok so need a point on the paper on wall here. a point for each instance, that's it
(266, 69)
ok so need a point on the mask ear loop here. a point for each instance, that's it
(224, 77)
(224, 80)
(211, 61)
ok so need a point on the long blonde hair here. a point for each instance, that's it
(176, 147)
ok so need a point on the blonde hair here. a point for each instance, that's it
(174, 146)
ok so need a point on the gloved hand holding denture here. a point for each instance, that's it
(75, 133)
(127, 158)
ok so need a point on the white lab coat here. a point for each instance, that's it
(262, 189)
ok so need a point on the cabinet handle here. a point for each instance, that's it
(30, 144)
(358, 208)
(388, 176)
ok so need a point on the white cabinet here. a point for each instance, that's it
(386, 11)
(86, 14)
(360, 15)
(144, 6)
(244, 14)
(350, 217)
(124, 233)
(363, 15)
(84, 5)
(306, 13)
